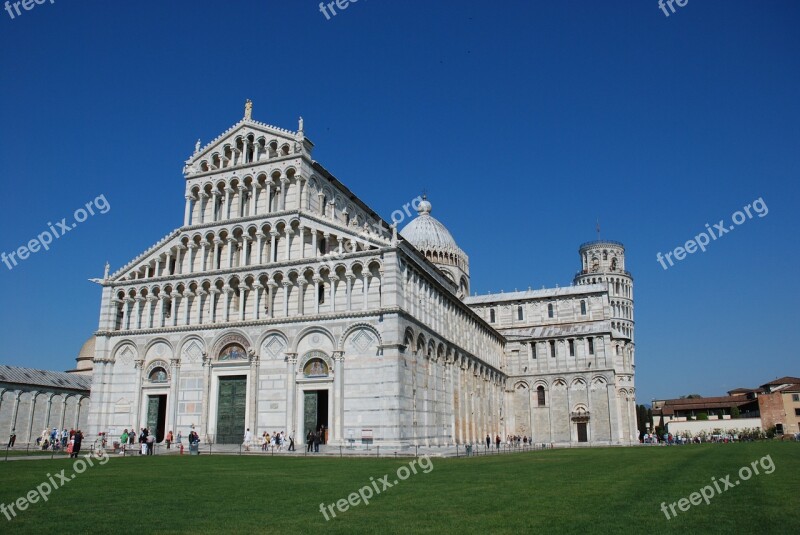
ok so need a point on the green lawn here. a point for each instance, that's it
(604, 490)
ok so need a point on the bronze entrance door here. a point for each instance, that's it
(156, 416)
(231, 403)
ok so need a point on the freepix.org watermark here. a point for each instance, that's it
(365, 493)
(43, 240)
(710, 491)
(662, 5)
(325, 7)
(43, 490)
(13, 7)
(759, 207)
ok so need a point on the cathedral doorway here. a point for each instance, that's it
(157, 415)
(231, 405)
(583, 436)
(315, 412)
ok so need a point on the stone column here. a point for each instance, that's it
(243, 260)
(269, 196)
(254, 198)
(189, 258)
(273, 246)
(291, 375)
(349, 289)
(203, 206)
(228, 201)
(338, 395)
(317, 282)
(187, 214)
(241, 211)
(242, 296)
(226, 313)
(301, 283)
(314, 242)
(232, 243)
(187, 302)
(301, 232)
(137, 365)
(206, 396)
(334, 279)
(256, 297)
(198, 303)
(253, 397)
(173, 313)
(271, 285)
(286, 285)
(217, 208)
(366, 277)
(174, 388)
(284, 192)
(259, 243)
(288, 233)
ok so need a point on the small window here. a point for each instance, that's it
(795, 397)
(321, 294)
(583, 308)
(519, 313)
(797, 412)
(540, 399)
(533, 350)
(619, 351)
(571, 348)
(779, 429)
(552, 349)
(550, 310)
(491, 315)
(591, 346)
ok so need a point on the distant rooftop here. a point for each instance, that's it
(50, 379)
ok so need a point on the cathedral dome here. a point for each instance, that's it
(85, 359)
(428, 233)
(431, 238)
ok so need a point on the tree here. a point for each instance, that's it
(702, 416)
(735, 412)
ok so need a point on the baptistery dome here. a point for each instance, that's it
(430, 237)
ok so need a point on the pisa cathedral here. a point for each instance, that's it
(284, 302)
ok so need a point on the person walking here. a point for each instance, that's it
(248, 438)
(488, 442)
(169, 439)
(317, 440)
(291, 442)
(309, 441)
(497, 442)
(12, 439)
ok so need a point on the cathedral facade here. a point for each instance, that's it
(284, 303)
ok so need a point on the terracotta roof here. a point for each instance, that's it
(784, 381)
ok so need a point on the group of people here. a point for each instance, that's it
(56, 440)
(314, 439)
(277, 440)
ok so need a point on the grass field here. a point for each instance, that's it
(603, 490)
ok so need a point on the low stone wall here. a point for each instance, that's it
(696, 427)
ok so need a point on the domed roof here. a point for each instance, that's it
(86, 356)
(427, 233)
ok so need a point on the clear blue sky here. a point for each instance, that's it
(525, 121)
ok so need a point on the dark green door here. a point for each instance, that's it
(309, 412)
(156, 416)
(231, 409)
